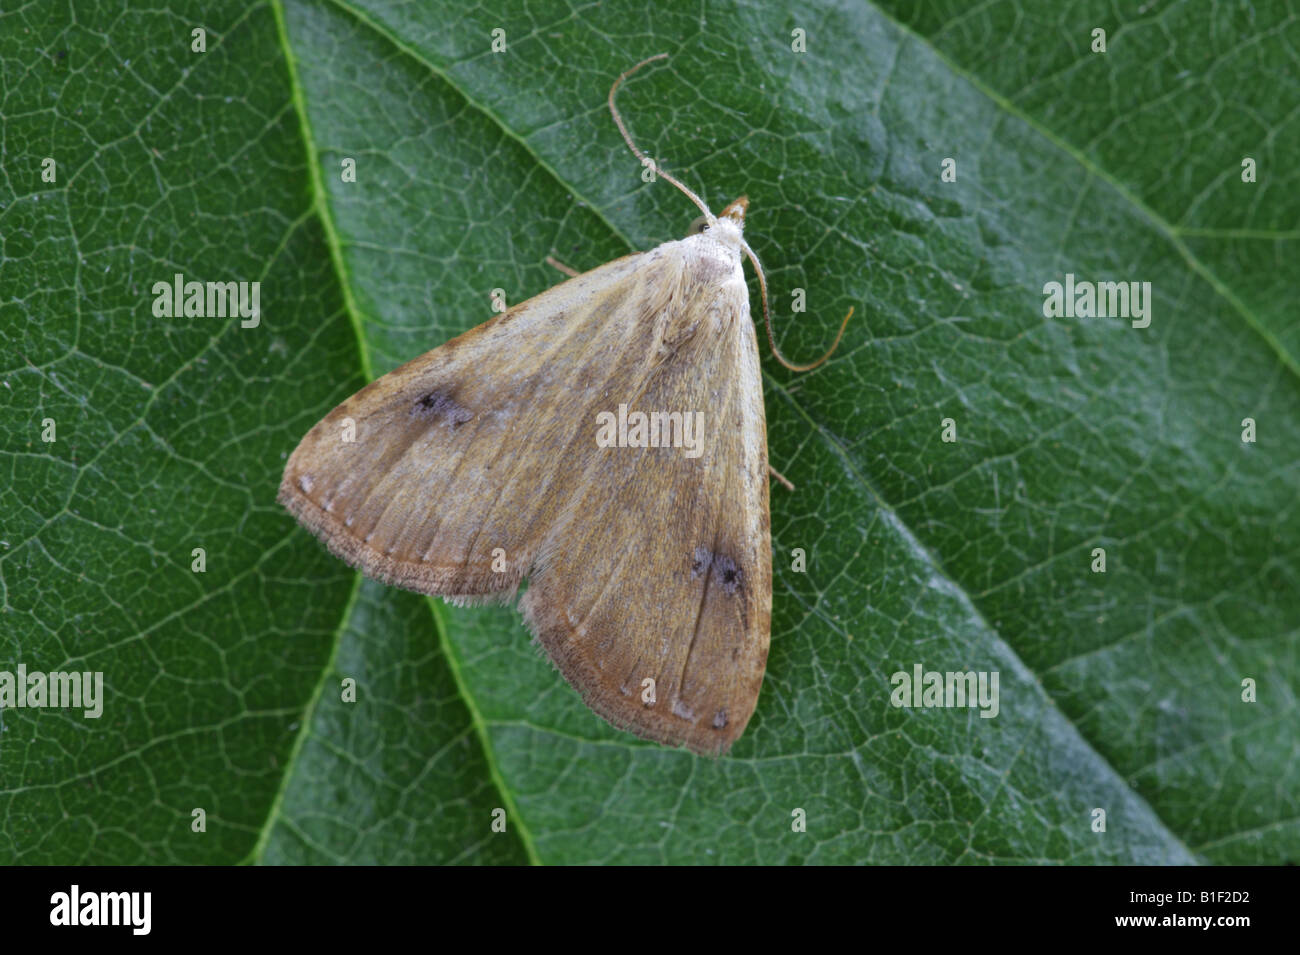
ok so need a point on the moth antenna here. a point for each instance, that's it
(645, 160)
(767, 320)
(780, 477)
(555, 263)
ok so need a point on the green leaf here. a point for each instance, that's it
(225, 690)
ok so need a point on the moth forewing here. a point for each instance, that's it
(479, 464)
(500, 456)
(379, 478)
(659, 609)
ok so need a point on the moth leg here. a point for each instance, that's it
(556, 263)
(781, 477)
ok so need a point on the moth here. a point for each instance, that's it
(540, 446)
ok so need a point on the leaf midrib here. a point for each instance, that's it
(322, 211)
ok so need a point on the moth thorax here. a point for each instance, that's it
(728, 232)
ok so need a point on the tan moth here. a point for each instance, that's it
(554, 443)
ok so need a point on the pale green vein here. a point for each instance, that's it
(304, 730)
(416, 56)
(449, 651)
(318, 192)
(1264, 235)
(322, 209)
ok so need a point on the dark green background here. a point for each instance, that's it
(1119, 691)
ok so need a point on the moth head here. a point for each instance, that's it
(726, 228)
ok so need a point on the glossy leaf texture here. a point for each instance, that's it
(227, 691)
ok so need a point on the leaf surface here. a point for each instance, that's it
(225, 690)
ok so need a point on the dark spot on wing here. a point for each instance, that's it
(719, 719)
(441, 406)
(726, 574)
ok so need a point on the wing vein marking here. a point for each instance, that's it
(515, 461)
(713, 549)
(648, 379)
(568, 332)
(699, 615)
(361, 502)
(645, 378)
(450, 480)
